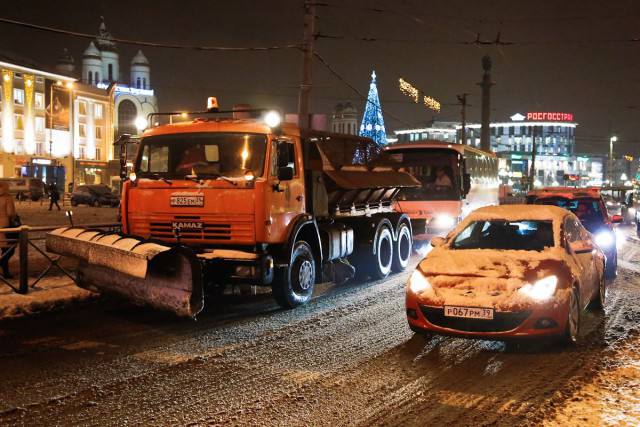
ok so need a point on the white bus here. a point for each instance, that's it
(471, 182)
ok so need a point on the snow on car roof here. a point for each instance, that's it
(520, 213)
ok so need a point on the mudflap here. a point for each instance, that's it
(145, 273)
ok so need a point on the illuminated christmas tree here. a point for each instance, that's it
(372, 122)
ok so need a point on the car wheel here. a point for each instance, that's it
(600, 298)
(572, 330)
(294, 284)
(402, 252)
(96, 204)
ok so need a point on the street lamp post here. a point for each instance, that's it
(611, 141)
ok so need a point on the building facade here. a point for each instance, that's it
(344, 119)
(49, 122)
(513, 141)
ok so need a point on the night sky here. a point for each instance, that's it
(567, 56)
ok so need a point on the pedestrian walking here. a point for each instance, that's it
(8, 218)
(54, 196)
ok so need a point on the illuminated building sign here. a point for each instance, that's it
(127, 89)
(553, 117)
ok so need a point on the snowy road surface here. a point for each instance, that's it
(347, 358)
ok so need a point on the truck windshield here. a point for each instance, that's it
(203, 154)
(506, 235)
(437, 169)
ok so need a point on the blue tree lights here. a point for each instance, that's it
(372, 122)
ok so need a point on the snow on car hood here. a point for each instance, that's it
(491, 278)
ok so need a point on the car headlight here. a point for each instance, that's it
(632, 211)
(541, 290)
(418, 283)
(610, 203)
(604, 239)
(443, 221)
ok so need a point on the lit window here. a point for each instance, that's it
(98, 153)
(98, 132)
(40, 125)
(18, 123)
(18, 96)
(97, 111)
(39, 100)
(82, 108)
(82, 130)
(81, 151)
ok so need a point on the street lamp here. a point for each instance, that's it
(611, 141)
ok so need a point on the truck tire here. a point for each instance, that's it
(379, 264)
(402, 249)
(293, 285)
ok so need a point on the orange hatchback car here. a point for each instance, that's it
(508, 272)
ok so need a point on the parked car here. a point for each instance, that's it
(94, 195)
(590, 207)
(508, 272)
(24, 188)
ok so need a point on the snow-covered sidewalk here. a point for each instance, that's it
(50, 293)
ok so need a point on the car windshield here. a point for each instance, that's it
(587, 209)
(202, 154)
(507, 235)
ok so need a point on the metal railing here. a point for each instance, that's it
(23, 238)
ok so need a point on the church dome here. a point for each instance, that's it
(139, 59)
(91, 51)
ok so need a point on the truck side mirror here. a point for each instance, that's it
(285, 173)
(466, 183)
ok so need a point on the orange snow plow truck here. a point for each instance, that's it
(238, 197)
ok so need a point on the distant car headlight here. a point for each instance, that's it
(605, 239)
(610, 203)
(443, 221)
(541, 290)
(418, 283)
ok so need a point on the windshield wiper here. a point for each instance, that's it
(214, 176)
(157, 177)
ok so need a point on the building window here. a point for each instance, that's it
(18, 96)
(39, 79)
(127, 113)
(138, 82)
(110, 71)
(81, 151)
(18, 76)
(39, 100)
(82, 130)
(97, 111)
(98, 132)
(144, 83)
(98, 153)
(18, 123)
(82, 108)
(90, 77)
(97, 77)
(39, 125)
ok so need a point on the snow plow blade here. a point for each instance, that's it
(147, 273)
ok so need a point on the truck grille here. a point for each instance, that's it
(214, 228)
(501, 322)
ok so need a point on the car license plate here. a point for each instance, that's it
(194, 200)
(187, 225)
(468, 312)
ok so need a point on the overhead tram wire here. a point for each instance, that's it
(147, 43)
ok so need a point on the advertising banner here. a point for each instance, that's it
(58, 101)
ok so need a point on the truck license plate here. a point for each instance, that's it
(195, 200)
(468, 312)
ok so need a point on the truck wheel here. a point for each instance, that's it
(380, 266)
(402, 251)
(294, 284)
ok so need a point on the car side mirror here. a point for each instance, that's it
(616, 219)
(581, 247)
(285, 173)
(466, 183)
(438, 241)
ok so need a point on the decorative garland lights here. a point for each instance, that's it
(414, 93)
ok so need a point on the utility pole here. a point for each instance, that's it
(462, 99)
(307, 65)
(534, 149)
(485, 142)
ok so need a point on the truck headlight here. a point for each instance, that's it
(541, 290)
(604, 239)
(444, 221)
(418, 283)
